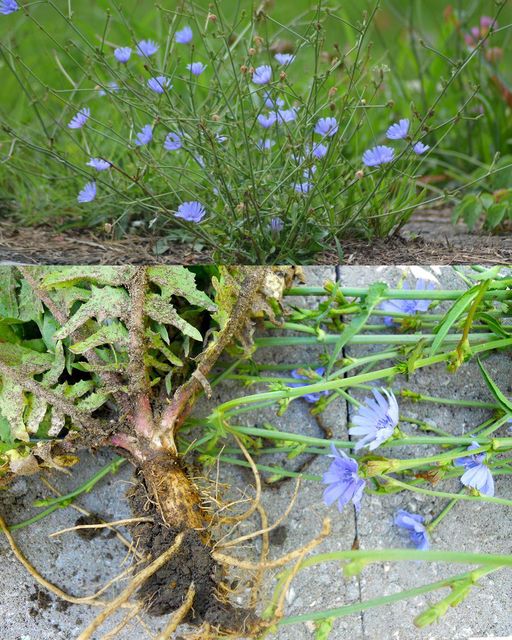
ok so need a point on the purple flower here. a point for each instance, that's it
(398, 131)
(273, 104)
(378, 155)
(191, 211)
(159, 84)
(184, 36)
(344, 483)
(144, 136)
(267, 121)
(414, 524)
(309, 397)
(146, 48)
(319, 151)
(486, 22)
(123, 54)
(477, 475)
(262, 75)
(375, 420)
(196, 68)
(303, 187)
(172, 142)
(99, 164)
(276, 226)
(78, 121)
(112, 86)
(265, 145)
(88, 193)
(327, 127)
(284, 58)
(408, 307)
(287, 115)
(8, 6)
(420, 148)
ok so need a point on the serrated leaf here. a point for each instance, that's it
(12, 407)
(105, 302)
(162, 311)
(93, 401)
(8, 301)
(15, 355)
(114, 334)
(30, 307)
(68, 276)
(156, 341)
(179, 281)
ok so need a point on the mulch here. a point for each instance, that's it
(430, 238)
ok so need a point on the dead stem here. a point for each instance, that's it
(134, 612)
(279, 562)
(90, 600)
(248, 536)
(265, 546)
(257, 479)
(138, 580)
(119, 535)
(179, 615)
(99, 525)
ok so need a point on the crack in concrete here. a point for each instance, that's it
(355, 543)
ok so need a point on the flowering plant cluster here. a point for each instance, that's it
(252, 145)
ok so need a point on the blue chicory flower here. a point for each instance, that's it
(276, 226)
(413, 523)
(122, 54)
(159, 84)
(407, 307)
(146, 48)
(112, 86)
(78, 121)
(398, 131)
(88, 193)
(196, 68)
(287, 115)
(144, 136)
(420, 148)
(184, 36)
(262, 75)
(284, 58)
(267, 121)
(309, 397)
(8, 6)
(327, 127)
(343, 480)
(378, 155)
(303, 187)
(99, 164)
(265, 145)
(319, 151)
(270, 103)
(172, 142)
(375, 420)
(191, 211)
(477, 475)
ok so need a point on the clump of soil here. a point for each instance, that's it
(165, 590)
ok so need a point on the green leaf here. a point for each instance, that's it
(503, 401)
(162, 311)
(452, 316)
(496, 214)
(179, 281)
(114, 334)
(62, 277)
(8, 301)
(104, 303)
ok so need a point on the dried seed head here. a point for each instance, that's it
(244, 68)
(252, 51)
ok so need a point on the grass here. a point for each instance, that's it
(367, 69)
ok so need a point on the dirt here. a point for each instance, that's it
(88, 534)
(429, 238)
(165, 590)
